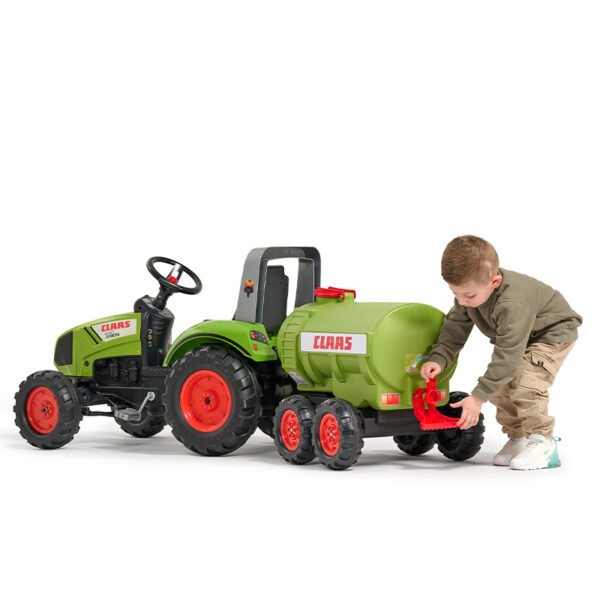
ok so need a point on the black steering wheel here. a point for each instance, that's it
(170, 284)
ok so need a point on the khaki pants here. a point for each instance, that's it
(522, 404)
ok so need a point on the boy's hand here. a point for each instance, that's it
(430, 369)
(471, 407)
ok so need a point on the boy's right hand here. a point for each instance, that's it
(430, 369)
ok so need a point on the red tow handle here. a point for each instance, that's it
(333, 292)
(429, 417)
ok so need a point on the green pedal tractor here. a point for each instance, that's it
(317, 380)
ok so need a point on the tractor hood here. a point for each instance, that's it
(77, 349)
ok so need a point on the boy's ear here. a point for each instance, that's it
(496, 281)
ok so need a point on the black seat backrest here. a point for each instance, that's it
(275, 302)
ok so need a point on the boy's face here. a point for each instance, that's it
(473, 294)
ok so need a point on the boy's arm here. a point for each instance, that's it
(515, 322)
(455, 330)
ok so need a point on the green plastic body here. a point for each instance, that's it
(382, 375)
(388, 343)
(89, 345)
(234, 334)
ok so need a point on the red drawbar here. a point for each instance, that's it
(333, 292)
(429, 417)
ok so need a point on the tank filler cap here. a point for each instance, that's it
(333, 292)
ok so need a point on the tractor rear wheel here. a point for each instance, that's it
(47, 410)
(415, 444)
(337, 436)
(459, 444)
(293, 430)
(212, 401)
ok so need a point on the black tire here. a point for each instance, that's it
(265, 421)
(149, 425)
(266, 424)
(285, 439)
(47, 410)
(415, 445)
(459, 444)
(346, 453)
(235, 388)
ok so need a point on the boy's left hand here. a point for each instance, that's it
(471, 407)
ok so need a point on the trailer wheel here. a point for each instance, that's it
(47, 410)
(293, 430)
(415, 444)
(149, 425)
(212, 401)
(337, 435)
(459, 444)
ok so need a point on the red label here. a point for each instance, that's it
(336, 343)
(331, 342)
(116, 325)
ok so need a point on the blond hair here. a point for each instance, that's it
(469, 258)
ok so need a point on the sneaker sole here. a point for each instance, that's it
(535, 467)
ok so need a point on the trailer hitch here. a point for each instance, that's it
(430, 417)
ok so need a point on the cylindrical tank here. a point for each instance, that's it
(368, 353)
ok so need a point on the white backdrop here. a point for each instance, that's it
(376, 131)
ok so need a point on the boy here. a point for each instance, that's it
(532, 328)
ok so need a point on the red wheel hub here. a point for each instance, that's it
(290, 430)
(205, 401)
(42, 410)
(329, 435)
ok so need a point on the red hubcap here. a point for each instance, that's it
(329, 435)
(205, 401)
(42, 410)
(290, 430)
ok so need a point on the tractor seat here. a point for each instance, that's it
(275, 299)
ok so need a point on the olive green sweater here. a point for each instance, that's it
(520, 311)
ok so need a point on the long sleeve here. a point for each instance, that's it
(455, 330)
(514, 324)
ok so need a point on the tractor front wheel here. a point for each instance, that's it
(337, 435)
(293, 430)
(212, 401)
(47, 410)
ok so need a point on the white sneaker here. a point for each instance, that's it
(539, 453)
(513, 447)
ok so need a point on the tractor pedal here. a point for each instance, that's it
(129, 415)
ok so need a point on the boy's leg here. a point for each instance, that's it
(508, 417)
(529, 389)
(506, 412)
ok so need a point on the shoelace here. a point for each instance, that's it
(534, 442)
